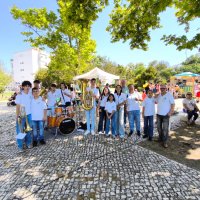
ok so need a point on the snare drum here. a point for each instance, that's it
(70, 111)
(65, 124)
(58, 111)
(51, 121)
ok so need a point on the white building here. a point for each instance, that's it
(25, 64)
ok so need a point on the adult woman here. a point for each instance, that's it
(120, 99)
(102, 112)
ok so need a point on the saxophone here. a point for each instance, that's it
(87, 98)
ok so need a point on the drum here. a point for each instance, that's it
(58, 111)
(70, 111)
(51, 121)
(66, 125)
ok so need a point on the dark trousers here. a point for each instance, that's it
(102, 120)
(191, 114)
(163, 127)
(148, 126)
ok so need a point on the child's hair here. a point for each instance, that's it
(103, 93)
(53, 85)
(112, 96)
(25, 83)
(34, 89)
(37, 81)
(120, 90)
(63, 84)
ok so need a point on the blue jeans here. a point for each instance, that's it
(163, 127)
(134, 117)
(148, 126)
(28, 137)
(91, 118)
(38, 125)
(102, 120)
(120, 122)
(113, 125)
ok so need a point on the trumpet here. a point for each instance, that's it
(23, 115)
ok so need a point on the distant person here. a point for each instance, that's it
(191, 108)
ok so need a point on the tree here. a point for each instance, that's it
(134, 20)
(67, 33)
(5, 79)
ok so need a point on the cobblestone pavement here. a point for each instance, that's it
(92, 167)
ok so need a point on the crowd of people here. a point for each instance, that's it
(114, 110)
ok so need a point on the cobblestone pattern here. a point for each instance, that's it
(92, 167)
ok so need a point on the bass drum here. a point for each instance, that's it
(66, 125)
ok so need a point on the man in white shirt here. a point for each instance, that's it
(133, 109)
(165, 108)
(23, 110)
(191, 108)
(91, 114)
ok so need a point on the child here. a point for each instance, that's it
(148, 112)
(23, 99)
(110, 114)
(39, 115)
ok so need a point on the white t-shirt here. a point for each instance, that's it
(132, 104)
(103, 101)
(24, 100)
(120, 98)
(164, 103)
(37, 109)
(66, 98)
(110, 106)
(149, 106)
(189, 103)
(51, 97)
(94, 91)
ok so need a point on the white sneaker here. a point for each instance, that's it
(86, 132)
(109, 133)
(100, 133)
(92, 132)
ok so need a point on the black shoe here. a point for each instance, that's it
(138, 133)
(34, 144)
(150, 138)
(131, 133)
(42, 142)
(145, 136)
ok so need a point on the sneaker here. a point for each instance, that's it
(86, 132)
(165, 145)
(138, 133)
(20, 150)
(100, 133)
(144, 136)
(150, 138)
(92, 132)
(131, 133)
(42, 142)
(29, 147)
(34, 144)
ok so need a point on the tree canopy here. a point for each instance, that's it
(133, 20)
(5, 79)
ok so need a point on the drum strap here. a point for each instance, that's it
(63, 97)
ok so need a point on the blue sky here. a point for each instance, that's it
(11, 40)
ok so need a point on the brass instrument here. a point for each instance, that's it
(43, 93)
(22, 115)
(87, 98)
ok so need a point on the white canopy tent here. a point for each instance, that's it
(97, 73)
